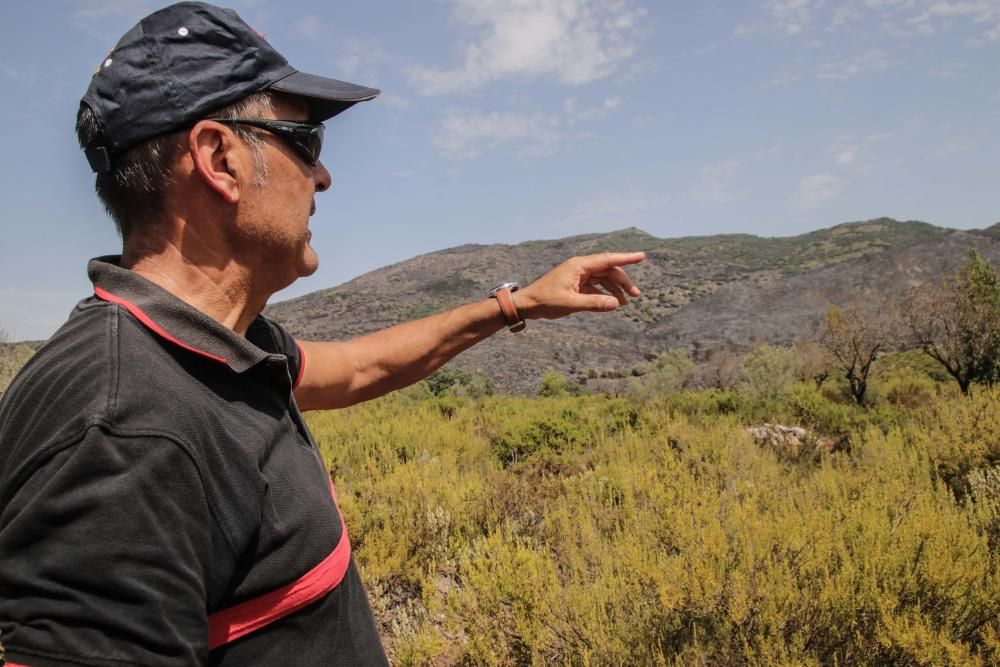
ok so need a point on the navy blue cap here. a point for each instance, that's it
(185, 61)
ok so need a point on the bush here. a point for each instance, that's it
(13, 356)
(767, 373)
(555, 385)
(588, 530)
(671, 371)
(450, 381)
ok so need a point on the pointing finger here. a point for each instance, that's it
(608, 260)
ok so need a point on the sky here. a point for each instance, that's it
(503, 121)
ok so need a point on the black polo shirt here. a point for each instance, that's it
(155, 476)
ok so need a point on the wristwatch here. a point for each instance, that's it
(502, 293)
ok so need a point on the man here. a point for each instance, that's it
(161, 499)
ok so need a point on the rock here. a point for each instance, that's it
(794, 442)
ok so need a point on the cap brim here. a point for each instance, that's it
(327, 97)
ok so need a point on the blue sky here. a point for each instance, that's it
(509, 120)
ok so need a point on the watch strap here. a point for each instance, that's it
(514, 321)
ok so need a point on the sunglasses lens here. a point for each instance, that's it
(316, 142)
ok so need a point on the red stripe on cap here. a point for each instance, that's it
(230, 624)
(148, 321)
(14, 664)
(302, 365)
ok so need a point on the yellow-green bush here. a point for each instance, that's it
(658, 533)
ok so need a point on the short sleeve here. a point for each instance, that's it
(104, 555)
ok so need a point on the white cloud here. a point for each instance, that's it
(951, 149)
(901, 18)
(574, 113)
(856, 154)
(906, 18)
(717, 183)
(872, 61)
(816, 189)
(353, 57)
(791, 16)
(571, 41)
(465, 134)
(847, 155)
(787, 77)
(394, 101)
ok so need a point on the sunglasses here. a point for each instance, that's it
(306, 139)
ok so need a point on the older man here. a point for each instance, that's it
(161, 499)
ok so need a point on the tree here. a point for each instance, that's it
(768, 372)
(957, 322)
(721, 369)
(450, 381)
(671, 371)
(815, 362)
(854, 338)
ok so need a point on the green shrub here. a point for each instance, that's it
(671, 371)
(657, 532)
(13, 356)
(450, 381)
(766, 372)
(555, 385)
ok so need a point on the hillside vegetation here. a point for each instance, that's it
(605, 531)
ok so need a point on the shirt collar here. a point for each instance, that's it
(173, 319)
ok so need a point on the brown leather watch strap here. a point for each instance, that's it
(514, 321)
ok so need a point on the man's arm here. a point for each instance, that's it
(338, 374)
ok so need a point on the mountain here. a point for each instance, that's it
(699, 292)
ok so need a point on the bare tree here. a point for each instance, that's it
(854, 338)
(815, 362)
(957, 322)
(721, 369)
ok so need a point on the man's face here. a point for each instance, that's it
(275, 216)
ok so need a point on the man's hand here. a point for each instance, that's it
(575, 285)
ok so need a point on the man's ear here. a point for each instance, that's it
(213, 149)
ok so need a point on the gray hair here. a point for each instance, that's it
(133, 191)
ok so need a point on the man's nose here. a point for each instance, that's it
(323, 179)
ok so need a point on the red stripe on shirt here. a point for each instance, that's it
(302, 365)
(230, 624)
(148, 321)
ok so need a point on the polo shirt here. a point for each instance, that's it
(162, 501)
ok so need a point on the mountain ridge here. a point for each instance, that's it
(699, 292)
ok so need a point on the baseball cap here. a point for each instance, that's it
(182, 62)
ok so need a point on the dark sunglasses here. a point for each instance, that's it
(306, 139)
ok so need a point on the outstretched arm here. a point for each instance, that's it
(338, 374)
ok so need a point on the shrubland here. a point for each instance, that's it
(655, 529)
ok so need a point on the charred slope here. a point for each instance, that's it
(698, 292)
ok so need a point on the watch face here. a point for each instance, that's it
(513, 287)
